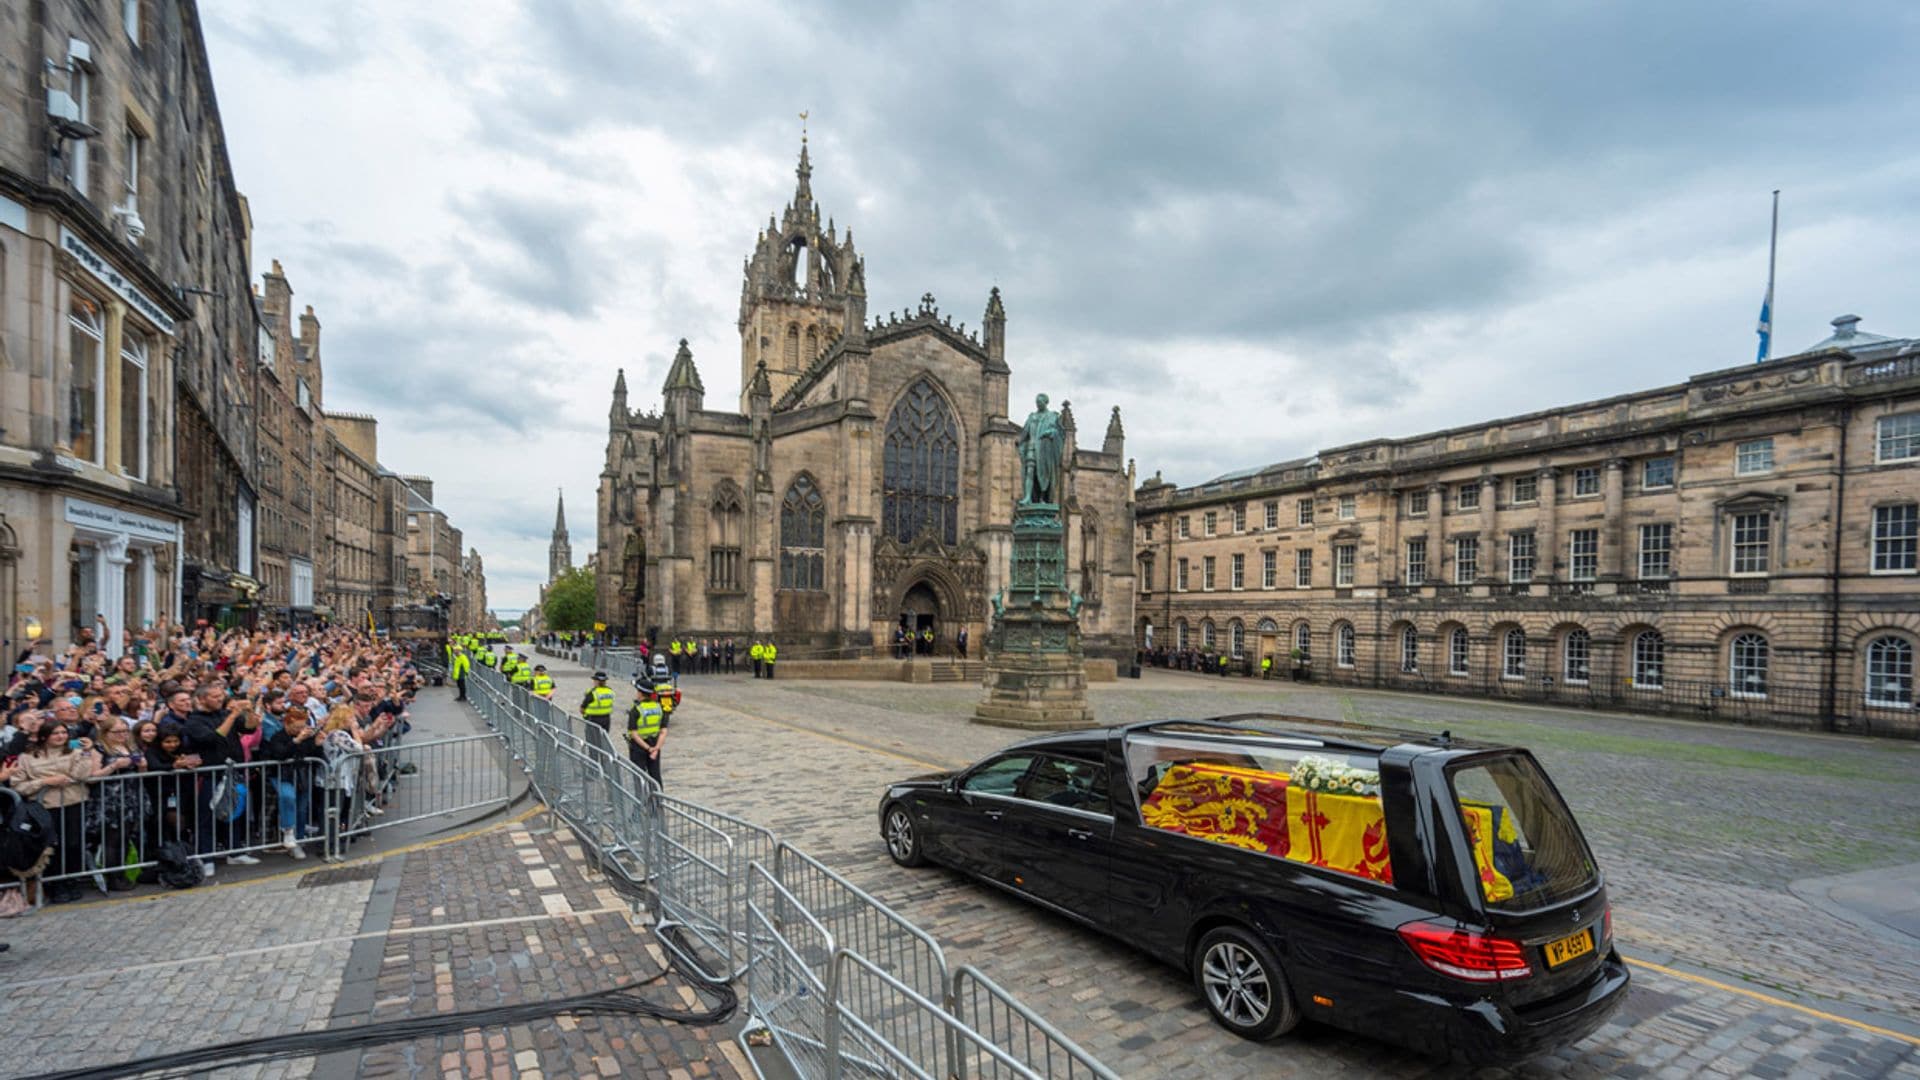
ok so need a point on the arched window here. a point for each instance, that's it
(1649, 660)
(1206, 633)
(1180, 633)
(1457, 651)
(798, 251)
(1747, 658)
(1343, 645)
(803, 537)
(1576, 657)
(813, 345)
(920, 474)
(1303, 640)
(1237, 637)
(1513, 655)
(793, 347)
(1890, 672)
(1268, 626)
(1409, 649)
(723, 539)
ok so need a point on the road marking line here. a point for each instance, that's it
(1756, 995)
(265, 950)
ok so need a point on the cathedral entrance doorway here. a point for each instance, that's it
(919, 614)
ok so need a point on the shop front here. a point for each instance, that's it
(119, 572)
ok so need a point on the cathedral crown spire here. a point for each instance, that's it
(559, 552)
(803, 191)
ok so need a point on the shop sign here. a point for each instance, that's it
(112, 519)
(114, 280)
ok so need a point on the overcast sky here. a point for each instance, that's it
(1260, 229)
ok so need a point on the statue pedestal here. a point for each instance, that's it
(1036, 675)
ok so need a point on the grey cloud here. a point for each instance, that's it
(549, 262)
(315, 40)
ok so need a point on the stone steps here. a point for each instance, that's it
(959, 670)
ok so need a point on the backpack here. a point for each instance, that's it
(28, 832)
(178, 868)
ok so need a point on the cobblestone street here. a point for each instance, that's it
(1700, 828)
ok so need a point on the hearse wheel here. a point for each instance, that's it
(902, 842)
(1242, 982)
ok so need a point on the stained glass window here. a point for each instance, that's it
(921, 471)
(803, 537)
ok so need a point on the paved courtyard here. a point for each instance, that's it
(1703, 829)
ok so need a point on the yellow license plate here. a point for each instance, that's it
(1571, 947)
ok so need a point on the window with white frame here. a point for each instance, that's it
(1182, 570)
(1348, 506)
(1186, 527)
(1898, 437)
(1417, 560)
(1180, 633)
(1206, 634)
(1269, 569)
(133, 405)
(130, 18)
(1753, 456)
(1520, 557)
(135, 152)
(1890, 672)
(1649, 660)
(86, 379)
(1417, 502)
(1240, 517)
(1303, 568)
(1343, 565)
(1752, 541)
(1747, 659)
(1209, 523)
(1304, 511)
(1896, 537)
(1343, 645)
(1526, 489)
(1237, 637)
(1303, 640)
(1457, 656)
(1272, 510)
(1466, 559)
(1513, 655)
(1576, 657)
(1586, 481)
(80, 151)
(1657, 473)
(1656, 550)
(1206, 574)
(1409, 649)
(1583, 554)
(1237, 571)
(1467, 497)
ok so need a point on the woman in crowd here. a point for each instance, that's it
(119, 805)
(55, 771)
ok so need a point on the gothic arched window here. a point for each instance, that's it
(803, 537)
(921, 472)
(723, 539)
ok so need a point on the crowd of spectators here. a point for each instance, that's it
(135, 754)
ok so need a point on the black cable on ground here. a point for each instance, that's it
(614, 1001)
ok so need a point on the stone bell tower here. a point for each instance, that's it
(795, 290)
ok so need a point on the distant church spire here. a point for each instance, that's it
(559, 552)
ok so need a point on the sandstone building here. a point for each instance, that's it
(1741, 544)
(865, 481)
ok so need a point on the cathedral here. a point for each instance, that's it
(864, 483)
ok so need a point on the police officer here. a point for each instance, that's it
(597, 705)
(646, 730)
(757, 654)
(542, 682)
(461, 665)
(1266, 666)
(771, 653)
(522, 673)
(673, 651)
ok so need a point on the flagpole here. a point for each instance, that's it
(1773, 248)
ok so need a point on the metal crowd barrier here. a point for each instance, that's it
(843, 983)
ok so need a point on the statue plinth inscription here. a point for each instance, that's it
(1036, 674)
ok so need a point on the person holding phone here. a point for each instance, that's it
(55, 772)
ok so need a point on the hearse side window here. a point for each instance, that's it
(1000, 776)
(1301, 803)
(1527, 850)
(1076, 785)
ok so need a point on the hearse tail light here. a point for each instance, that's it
(1606, 924)
(1464, 954)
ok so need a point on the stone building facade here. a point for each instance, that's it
(865, 481)
(1741, 544)
(289, 413)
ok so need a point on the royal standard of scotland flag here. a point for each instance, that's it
(1766, 326)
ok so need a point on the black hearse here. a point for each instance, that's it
(1416, 889)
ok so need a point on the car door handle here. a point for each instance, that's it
(1080, 834)
(992, 815)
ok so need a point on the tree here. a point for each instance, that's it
(569, 603)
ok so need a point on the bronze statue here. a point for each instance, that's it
(1039, 448)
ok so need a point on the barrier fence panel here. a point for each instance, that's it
(787, 955)
(409, 782)
(1000, 1020)
(860, 996)
(692, 875)
(863, 924)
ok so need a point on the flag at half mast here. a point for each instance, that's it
(1765, 329)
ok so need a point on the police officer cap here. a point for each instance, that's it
(599, 676)
(539, 667)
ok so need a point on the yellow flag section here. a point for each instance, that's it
(1262, 811)
(1481, 831)
(1347, 833)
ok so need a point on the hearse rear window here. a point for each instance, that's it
(1310, 805)
(1527, 850)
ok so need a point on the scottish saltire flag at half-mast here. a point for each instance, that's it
(1765, 329)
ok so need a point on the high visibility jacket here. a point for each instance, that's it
(1266, 663)
(675, 647)
(599, 702)
(486, 657)
(543, 684)
(756, 652)
(522, 676)
(461, 665)
(772, 653)
(645, 720)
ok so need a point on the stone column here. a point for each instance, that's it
(110, 581)
(1489, 521)
(1439, 562)
(1389, 541)
(1547, 533)
(148, 599)
(1613, 536)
